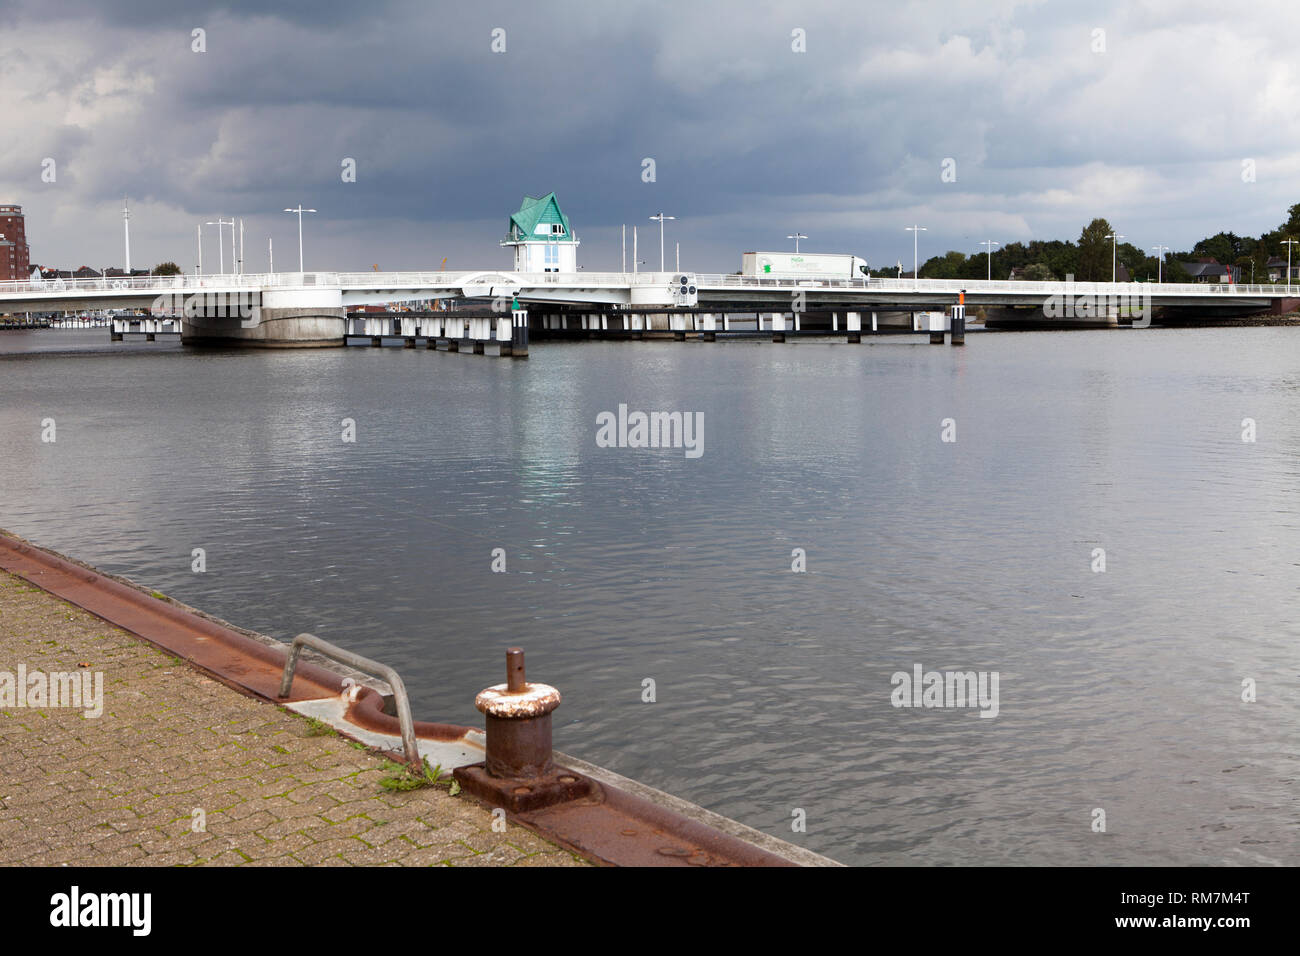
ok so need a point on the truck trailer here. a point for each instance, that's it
(803, 264)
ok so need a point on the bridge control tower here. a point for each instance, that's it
(541, 236)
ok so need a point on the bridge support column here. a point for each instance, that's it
(519, 333)
(504, 334)
(778, 326)
(853, 324)
(277, 318)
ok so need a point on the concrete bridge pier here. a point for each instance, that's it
(853, 325)
(677, 323)
(709, 325)
(284, 318)
(519, 333)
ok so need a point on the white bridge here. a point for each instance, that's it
(309, 309)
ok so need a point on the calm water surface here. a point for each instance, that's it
(1118, 690)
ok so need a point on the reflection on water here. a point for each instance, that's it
(1119, 690)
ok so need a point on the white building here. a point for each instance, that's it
(541, 236)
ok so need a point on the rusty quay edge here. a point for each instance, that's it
(606, 819)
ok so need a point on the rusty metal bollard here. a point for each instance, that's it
(518, 723)
(519, 772)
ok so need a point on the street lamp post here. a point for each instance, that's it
(660, 219)
(126, 228)
(915, 231)
(796, 237)
(1114, 237)
(1160, 262)
(990, 243)
(221, 254)
(1288, 243)
(300, 211)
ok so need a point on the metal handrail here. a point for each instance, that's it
(365, 664)
(404, 281)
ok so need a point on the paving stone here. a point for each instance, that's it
(120, 790)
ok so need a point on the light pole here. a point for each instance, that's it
(796, 237)
(990, 243)
(300, 211)
(1160, 262)
(915, 231)
(221, 254)
(1114, 237)
(126, 228)
(660, 219)
(199, 229)
(1288, 243)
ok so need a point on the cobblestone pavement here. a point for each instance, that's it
(181, 770)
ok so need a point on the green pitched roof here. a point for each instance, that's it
(532, 212)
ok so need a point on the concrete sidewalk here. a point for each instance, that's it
(174, 747)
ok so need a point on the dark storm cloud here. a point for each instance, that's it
(751, 139)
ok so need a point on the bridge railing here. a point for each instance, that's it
(416, 280)
(707, 281)
(149, 283)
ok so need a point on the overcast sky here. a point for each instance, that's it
(1052, 114)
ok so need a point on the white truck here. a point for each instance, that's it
(803, 264)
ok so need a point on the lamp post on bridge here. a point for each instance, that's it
(660, 218)
(915, 231)
(221, 255)
(1114, 238)
(990, 243)
(796, 237)
(1288, 243)
(300, 211)
(1160, 262)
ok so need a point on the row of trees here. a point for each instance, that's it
(1089, 259)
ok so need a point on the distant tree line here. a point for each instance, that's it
(1089, 259)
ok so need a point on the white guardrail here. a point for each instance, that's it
(596, 280)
